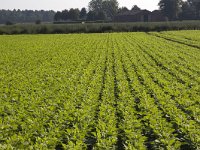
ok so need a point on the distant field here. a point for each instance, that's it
(100, 91)
(48, 28)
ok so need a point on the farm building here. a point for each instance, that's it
(139, 16)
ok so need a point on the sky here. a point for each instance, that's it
(66, 4)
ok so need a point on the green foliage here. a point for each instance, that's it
(83, 14)
(25, 16)
(98, 27)
(38, 22)
(100, 91)
(9, 23)
(170, 8)
(109, 7)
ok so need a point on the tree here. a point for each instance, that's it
(196, 6)
(65, 15)
(91, 16)
(96, 5)
(123, 9)
(101, 16)
(58, 16)
(109, 7)
(26, 16)
(83, 13)
(74, 14)
(136, 8)
(170, 8)
(187, 11)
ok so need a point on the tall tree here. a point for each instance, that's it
(122, 9)
(101, 16)
(91, 16)
(74, 14)
(110, 7)
(196, 5)
(107, 7)
(83, 13)
(96, 5)
(136, 8)
(170, 8)
(58, 16)
(25, 16)
(187, 11)
(65, 15)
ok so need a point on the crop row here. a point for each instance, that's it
(100, 91)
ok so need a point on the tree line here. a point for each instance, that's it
(107, 9)
(97, 10)
(26, 16)
(102, 10)
(180, 10)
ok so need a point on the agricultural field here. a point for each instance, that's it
(131, 91)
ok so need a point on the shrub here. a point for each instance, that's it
(9, 23)
(38, 22)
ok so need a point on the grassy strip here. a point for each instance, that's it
(98, 27)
